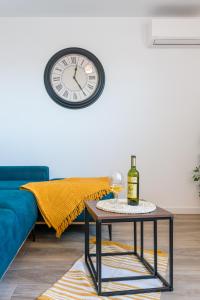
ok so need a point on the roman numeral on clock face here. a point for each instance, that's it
(91, 77)
(75, 96)
(64, 62)
(56, 78)
(65, 94)
(90, 86)
(58, 69)
(59, 87)
(73, 60)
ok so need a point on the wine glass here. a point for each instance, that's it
(116, 184)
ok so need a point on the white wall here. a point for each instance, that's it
(150, 106)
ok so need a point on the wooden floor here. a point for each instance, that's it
(40, 264)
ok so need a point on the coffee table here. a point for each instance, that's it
(100, 217)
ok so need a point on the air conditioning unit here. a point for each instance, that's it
(175, 32)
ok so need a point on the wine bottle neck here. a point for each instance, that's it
(133, 161)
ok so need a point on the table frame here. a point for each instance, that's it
(96, 274)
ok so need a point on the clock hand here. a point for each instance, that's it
(79, 86)
(74, 77)
(75, 70)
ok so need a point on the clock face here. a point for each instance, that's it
(74, 78)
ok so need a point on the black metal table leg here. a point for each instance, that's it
(98, 256)
(171, 225)
(135, 237)
(33, 234)
(155, 234)
(110, 231)
(86, 234)
(142, 239)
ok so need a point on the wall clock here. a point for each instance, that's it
(74, 78)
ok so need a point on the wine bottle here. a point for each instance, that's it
(133, 183)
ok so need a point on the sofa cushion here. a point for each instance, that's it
(29, 173)
(9, 236)
(12, 184)
(18, 214)
(9, 225)
(24, 206)
(18, 209)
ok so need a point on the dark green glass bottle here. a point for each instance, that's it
(133, 183)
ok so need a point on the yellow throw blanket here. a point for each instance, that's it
(61, 201)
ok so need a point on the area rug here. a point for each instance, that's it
(77, 284)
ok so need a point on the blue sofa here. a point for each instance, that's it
(18, 209)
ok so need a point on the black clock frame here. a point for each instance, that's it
(70, 104)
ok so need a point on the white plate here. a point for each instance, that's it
(121, 206)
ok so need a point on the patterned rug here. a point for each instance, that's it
(77, 284)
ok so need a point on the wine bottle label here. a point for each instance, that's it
(132, 191)
(132, 179)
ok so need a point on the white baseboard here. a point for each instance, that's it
(184, 210)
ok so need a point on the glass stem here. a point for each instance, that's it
(116, 197)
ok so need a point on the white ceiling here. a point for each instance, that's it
(100, 8)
